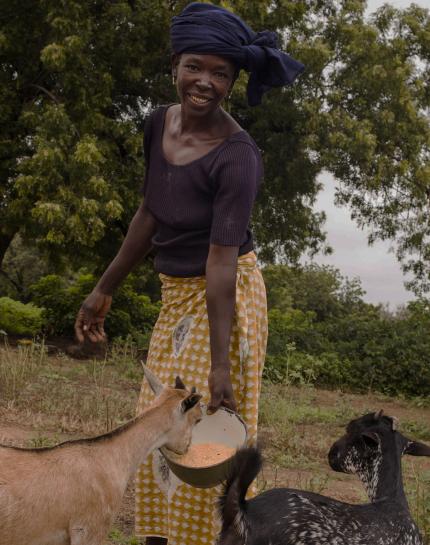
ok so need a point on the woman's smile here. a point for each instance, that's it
(198, 99)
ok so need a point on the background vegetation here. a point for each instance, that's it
(77, 77)
(321, 331)
(72, 109)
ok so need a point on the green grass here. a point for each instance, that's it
(288, 413)
(416, 430)
(116, 537)
(69, 396)
(18, 367)
(59, 398)
(418, 494)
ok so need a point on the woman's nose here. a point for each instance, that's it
(204, 82)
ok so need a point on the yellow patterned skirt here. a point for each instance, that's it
(165, 506)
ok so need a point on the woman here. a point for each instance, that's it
(202, 176)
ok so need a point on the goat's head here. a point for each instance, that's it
(182, 411)
(367, 440)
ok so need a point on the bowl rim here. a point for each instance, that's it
(165, 451)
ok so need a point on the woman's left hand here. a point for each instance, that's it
(221, 390)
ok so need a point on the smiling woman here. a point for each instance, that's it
(203, 79)
(202, 82)
(202, 175)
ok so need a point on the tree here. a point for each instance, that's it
(71, 118)
(377, 135)
(77, 77)
(319, 289)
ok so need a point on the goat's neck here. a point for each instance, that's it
(131, 445)
(382, 477)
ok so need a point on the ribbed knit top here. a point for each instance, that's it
(206, 201)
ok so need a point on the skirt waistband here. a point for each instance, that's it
(245, 263)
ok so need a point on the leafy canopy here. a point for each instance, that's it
(77, 77)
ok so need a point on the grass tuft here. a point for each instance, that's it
(18, 367)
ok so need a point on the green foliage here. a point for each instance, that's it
(22, 266)
(73, 102)
(18, 318)
(320, 289)
(131, 313)
(321, 332)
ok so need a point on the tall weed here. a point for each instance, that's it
(18, 367)
(419, 501)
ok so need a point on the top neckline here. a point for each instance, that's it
(216, 148)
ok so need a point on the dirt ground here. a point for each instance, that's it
(296, 461)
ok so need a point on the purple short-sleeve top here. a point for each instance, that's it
(207, 201)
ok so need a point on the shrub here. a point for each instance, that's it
(365, 349)
(131, 313)
(16, 318)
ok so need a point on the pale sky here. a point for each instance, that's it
(377, 268)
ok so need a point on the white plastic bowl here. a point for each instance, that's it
(224, 427)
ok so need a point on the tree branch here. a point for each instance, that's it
(44, 90)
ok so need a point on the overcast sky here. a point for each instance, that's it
(377, 268)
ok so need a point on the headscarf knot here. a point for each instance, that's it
(207, 29)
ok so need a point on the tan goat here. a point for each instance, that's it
(69, 494)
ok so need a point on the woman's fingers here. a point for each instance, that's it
(87, 325)
(90, 319)
(216, 402)
(99, 330)
(81, 325)
(230, 403)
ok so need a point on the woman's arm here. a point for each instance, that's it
(137, 243)
(221, 269)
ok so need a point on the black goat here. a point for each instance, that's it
(371, 448)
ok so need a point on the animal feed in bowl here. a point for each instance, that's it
(205, 454)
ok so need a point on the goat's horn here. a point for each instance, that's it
(156, 385)
(394, 423)
(379, 415)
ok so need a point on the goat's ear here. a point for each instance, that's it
(179, 385)
(371, 439)
(394, 422)
(190, 402)
(156, 385)
(415, 448)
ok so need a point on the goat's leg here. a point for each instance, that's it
(156, 541)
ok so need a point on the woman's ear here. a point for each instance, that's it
(174, 62)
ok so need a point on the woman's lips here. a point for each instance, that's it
(198, 100)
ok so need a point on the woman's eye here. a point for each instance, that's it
(221, 75)
(191, 67)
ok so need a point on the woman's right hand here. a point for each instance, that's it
(91, 316)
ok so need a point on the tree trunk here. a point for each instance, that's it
(5, 240)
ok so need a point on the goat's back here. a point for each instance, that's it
(286, 516)
(34, 485)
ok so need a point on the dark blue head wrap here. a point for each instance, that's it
(204, 28)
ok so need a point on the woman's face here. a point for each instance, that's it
(203, 81)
